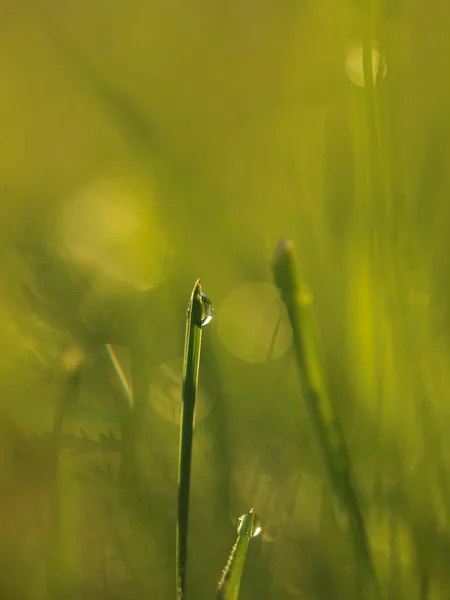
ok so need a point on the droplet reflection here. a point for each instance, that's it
(257, 531)
(207, 310)
(249, 520)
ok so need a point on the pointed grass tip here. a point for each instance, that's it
(283, 248)
(197, 291)
(284, 271)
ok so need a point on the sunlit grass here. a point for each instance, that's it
(230, 581)
(192, 350)
(212, 105)
(322, 409)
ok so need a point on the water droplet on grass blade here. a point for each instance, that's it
(249, 523)
(207, 310)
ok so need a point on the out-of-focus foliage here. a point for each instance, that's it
(146, 144)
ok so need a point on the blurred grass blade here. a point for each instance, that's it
(122, 379)
(72, 360)
(192, 349)
(228, 586)
(141, 135)
(298, 302)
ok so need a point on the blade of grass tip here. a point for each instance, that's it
(192, 349)
(298, 300)
(230, 581)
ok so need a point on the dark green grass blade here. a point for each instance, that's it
(192, 348)
(230, 581)
(322, 411)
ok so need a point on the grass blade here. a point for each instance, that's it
(331, 438)
(228, 586)
(72, 362)
(192, 349)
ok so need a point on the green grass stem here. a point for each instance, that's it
(298, 300)
(230, 581)
(192, 349)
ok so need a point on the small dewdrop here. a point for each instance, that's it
(207, 310)
(257, 531)
(249, 524)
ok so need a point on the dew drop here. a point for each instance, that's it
(249, 519)
(207, 310)
(256, 530)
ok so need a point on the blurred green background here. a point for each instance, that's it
(145, 144)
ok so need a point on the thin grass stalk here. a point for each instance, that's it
(54, 547)
(191, 364)
(326, 422)
(230, 581)
(381, 174)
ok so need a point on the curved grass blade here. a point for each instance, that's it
(331, 438)
(228, 586)
(192, 349)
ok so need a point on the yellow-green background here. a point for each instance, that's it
(222, 127)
